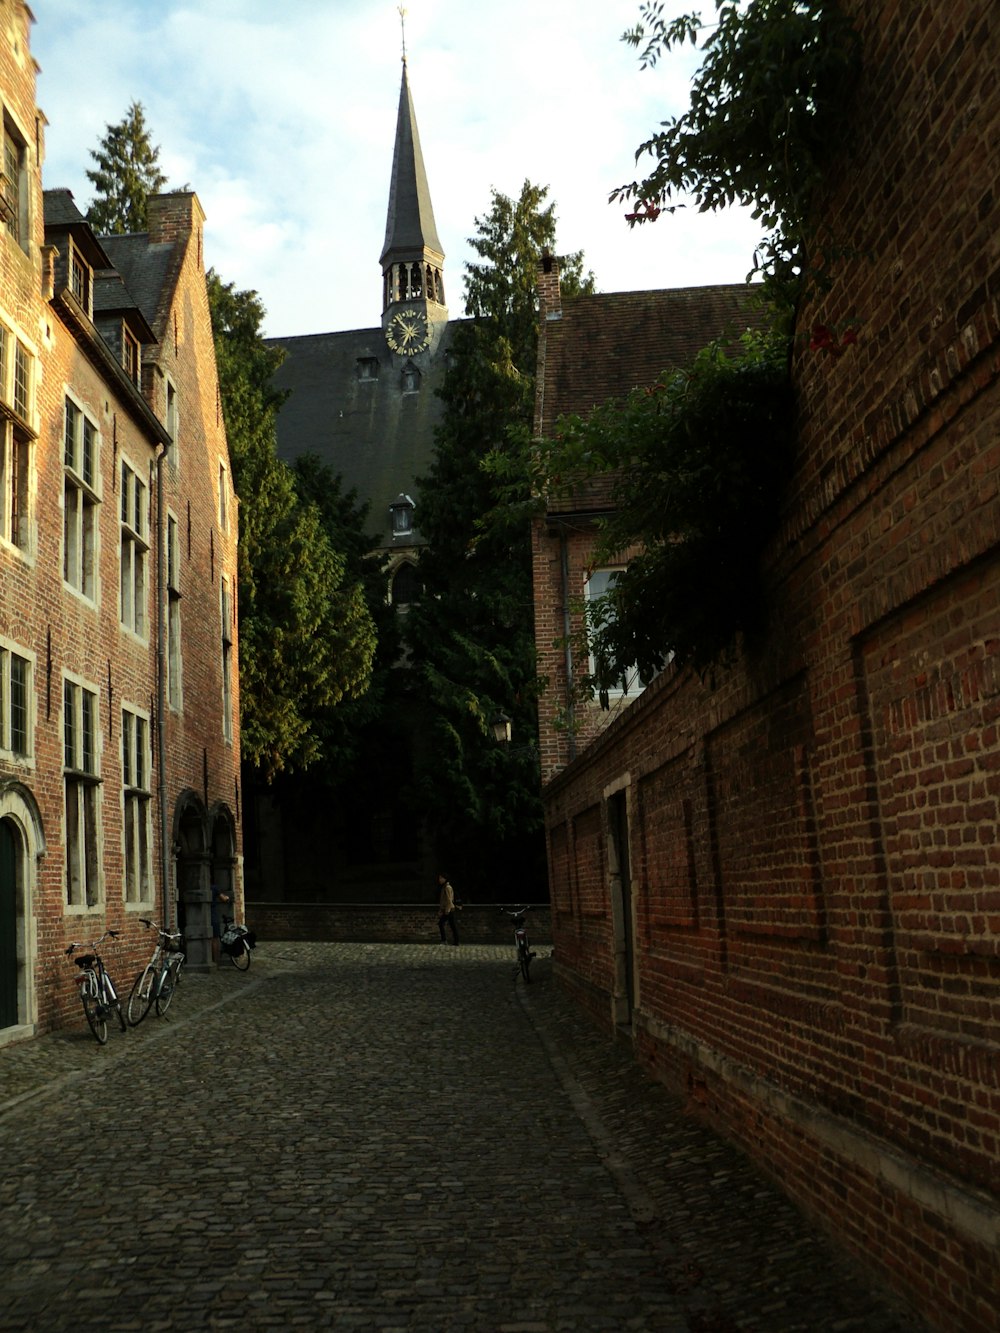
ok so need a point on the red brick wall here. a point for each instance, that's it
(814, 853)
(61, 633)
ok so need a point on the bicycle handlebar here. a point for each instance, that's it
(79, 944)
(160, 929)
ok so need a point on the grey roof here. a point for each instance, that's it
(148, 271)
(374, 432)
(410, 228)
(61, 214)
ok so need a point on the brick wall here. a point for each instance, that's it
(815, 869)
(399, 923)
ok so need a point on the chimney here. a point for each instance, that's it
(174, 217)
(549, 294)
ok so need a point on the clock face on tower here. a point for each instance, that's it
(407, 331)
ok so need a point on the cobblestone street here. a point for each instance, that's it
(387, 1137)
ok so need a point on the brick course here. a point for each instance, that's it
(815, 871)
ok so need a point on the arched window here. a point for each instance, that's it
(405, 588)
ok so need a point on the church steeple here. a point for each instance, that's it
(412, 258)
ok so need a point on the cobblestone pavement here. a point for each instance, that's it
(387, 1137)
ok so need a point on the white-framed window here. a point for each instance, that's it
(598, 612)
(17, 716)
(14, 183)
(226, 610)
(173, 571)
(81, 500)
(81, 280)
(136, 807)
(81, 775)
(134, 549)
(223, 498)
(17, 437)
(131, 355)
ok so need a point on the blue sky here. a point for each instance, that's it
(282, 115)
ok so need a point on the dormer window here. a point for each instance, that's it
(401, 510)
(130, 355)
(81, 280)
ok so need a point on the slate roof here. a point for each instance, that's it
(601, 347)
(375, 434)
(150, 272)
(410, 226)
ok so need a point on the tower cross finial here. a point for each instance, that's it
(402, 29)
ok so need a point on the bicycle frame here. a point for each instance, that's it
(155, 983)
(521, 945)
(97, 991)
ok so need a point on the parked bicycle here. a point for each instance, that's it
(97, 990)
(524, 952)
(237, 942)
(158, 980)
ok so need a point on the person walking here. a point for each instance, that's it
(447, 909)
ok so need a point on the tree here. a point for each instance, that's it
(472, 633)
(127, 173)
(769, 105)
(306, 636)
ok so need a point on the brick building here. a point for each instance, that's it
(119, 700)
(784, 888)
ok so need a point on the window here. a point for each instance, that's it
(227, 660)
(137, 803)
(135, 550)
(173, 614)
(16, 439)
(15, 704)
(171, 421)
(82, 782)
(223, 498)
(411, 379)
(81, 279)
(14, 184)
(367, 368)
(405, 586)
(81, 500)
(599, 612)
(130, 355)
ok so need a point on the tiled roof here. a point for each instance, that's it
(601, 347)
(148, 271)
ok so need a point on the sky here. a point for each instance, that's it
(282, 117)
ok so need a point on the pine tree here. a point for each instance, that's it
(472, 633)
(127, 173)
(307, 638)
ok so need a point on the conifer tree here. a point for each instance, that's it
(127, 173)
(472, 633)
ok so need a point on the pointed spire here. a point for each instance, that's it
(410, 234)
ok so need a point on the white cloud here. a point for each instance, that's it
(282, 118)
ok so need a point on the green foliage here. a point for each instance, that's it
(306, 636)
(697, 464)
(769, 105)
(127, 173)
(472, 634)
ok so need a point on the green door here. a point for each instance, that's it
(8, 924)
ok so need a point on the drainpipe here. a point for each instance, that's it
(169, 908)
(570, 715)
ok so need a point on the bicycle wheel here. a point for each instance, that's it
(141, 996)
(524, 961)
(168, 985)
(241, 956)
(97, 1016)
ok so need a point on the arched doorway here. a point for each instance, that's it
(193, 885)
(22, 844)
(224, 856)
(11, 859)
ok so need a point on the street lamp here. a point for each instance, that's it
(501, 728)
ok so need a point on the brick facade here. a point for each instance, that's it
(785, 883)
(119, 793)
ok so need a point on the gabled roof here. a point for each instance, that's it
(410, 228)
(599, 348)
(61, 214)
(113, 298)
(149, 271)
